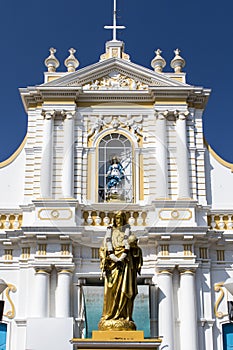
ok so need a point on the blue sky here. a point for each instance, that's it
(203, 30)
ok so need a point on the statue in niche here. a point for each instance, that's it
(115, 175)
(121, 261)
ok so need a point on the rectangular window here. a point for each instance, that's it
(8, 254)
(95, 253)
(25, 253)
(42, 249)
(164, 249)
(203, 252)
(220, 255)
(188, 249)
(65, 249)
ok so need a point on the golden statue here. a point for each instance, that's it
(121, 260)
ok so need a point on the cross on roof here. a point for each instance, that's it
(114, 27)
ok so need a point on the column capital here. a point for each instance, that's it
(181, 115)
(48, 114)
(188, 270)
(43, 270)
(68, 114)
(161, 114)
(67, 268)
(161, 270)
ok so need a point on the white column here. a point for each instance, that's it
(207, 307)
(182, 156)
(47, 155)
(79, 310)
(68, 156)
(166, 319)
(41, 293)
(63, 293)
(188, 318)
(161, 155)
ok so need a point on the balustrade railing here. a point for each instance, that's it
(105, 218)
(10, 221)
(220, 221)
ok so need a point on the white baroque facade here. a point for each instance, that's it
(177, 196)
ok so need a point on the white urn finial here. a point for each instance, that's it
(158, 63)
(178, 62)
(71, 62)
(52, 62)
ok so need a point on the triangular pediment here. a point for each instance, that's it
(115, 74)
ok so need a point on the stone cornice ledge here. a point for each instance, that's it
(45, 202)
(177, 230)
(90, 344)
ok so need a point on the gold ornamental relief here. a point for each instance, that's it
(11, 288)
(218, 287)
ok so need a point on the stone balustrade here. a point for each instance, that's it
(10, 221)
(104, 218)
(220, 221)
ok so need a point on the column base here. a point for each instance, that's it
(114, 340)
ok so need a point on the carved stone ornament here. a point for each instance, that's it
(131, 123)
(115, 81)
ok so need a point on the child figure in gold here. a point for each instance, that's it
(121, 260)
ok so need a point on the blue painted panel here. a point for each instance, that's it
(3, 332)
(228, 336)
(94, 304)
(141, 313)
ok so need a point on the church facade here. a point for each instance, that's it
(115, 136)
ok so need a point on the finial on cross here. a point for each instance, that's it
(114, 27)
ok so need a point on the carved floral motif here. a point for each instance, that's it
(131, 123)
(115, 81)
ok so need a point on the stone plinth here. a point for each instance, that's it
(114, 340)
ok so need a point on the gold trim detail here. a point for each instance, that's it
(164, 271)
(218, 288)
(15, 154)
(43, 272)
(175, 214)
(11, 288)
(187, 272)
(141, 178)
(55, 214)
(65, 271)
(218, 158)
(89, 163)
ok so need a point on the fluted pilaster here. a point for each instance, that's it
(47, 155)
(182, 156)
(68, 156)
(161, 155)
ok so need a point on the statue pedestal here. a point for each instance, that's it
(114, 340)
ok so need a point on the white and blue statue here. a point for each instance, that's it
(115, 175)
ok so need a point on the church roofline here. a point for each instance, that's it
(14, 155)
(109, 64)
(218, 158)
